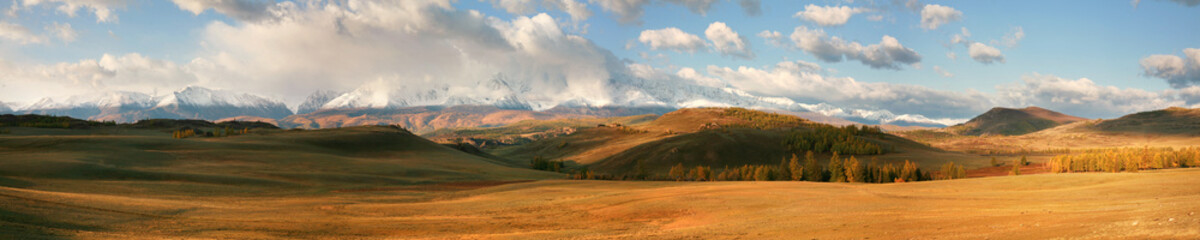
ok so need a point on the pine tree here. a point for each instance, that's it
(837, 173)
(796, 169)
(677, 172)
(853, 170)
(1016, 170)
(995, 163)
(812, 169)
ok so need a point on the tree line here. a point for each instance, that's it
(837, 169)
(216, 132)
(827, 139)
(1125, 159)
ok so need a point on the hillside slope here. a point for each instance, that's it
(1171, 121)
(714, 137)
(1008, 121)
(134, 160)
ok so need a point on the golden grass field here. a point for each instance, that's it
(386, 183)
(1151, 204)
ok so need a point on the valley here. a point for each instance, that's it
(75, 179)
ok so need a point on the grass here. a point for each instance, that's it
(320, 160)
(1151, 204)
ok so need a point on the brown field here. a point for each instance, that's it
(1151, 204)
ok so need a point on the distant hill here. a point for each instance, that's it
(1171, 121)
(1008, 121)
(714, 137)
(133, 159)
(188, 103)
(429, 118)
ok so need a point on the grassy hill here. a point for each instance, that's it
(1171, 127)
(714, 137)
(1170, 121)
(135, 159)
(1008, 121)
(527, 131)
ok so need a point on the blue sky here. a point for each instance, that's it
(1064, 42)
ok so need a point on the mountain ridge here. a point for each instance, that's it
(1011, 121)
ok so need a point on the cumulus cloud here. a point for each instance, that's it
(102, 9)
(129, 72)
(828, 15)
(19, 34)
(804, 82)
(985, 54)
(63, 32)
(244, 10)
(887, 54)
(933, 16)
(626, 11)
(697, 6)
(727, 42)
(673, 39)
(1179, 72)
(576, 9)
(751, 7)
(1083, 97)
(414, 45)
(631, 11)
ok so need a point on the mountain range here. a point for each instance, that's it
(382, 102)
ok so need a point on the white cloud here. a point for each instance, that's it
(130, 72)
(697, 6)
(1083, 97)
(751, 7)
(828, 15)
(961, 38)
(985, 54)
(727, 42)
(804, 82)
(19, 34)
(1179, 72)
(943, 72)
(673, 39)
(626, 11)
(887, 54)
(933, 16)
(63, 31)
(102, 9)
(577, 10)
(244, 10)
(1013, 37)
(951, 55)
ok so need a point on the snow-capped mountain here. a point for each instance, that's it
(189, 103)
(316, 100)
(208, 104)
(623, 91)
(4, 108)
(498, 92)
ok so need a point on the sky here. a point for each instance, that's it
(941, 59)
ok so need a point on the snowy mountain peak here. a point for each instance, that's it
(199, 96)
(316, 100)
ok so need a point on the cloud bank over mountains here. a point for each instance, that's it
(428, 52)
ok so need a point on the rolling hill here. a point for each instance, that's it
(135, 158)
(714, 137)
(1170, 121)
(1008, 121)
